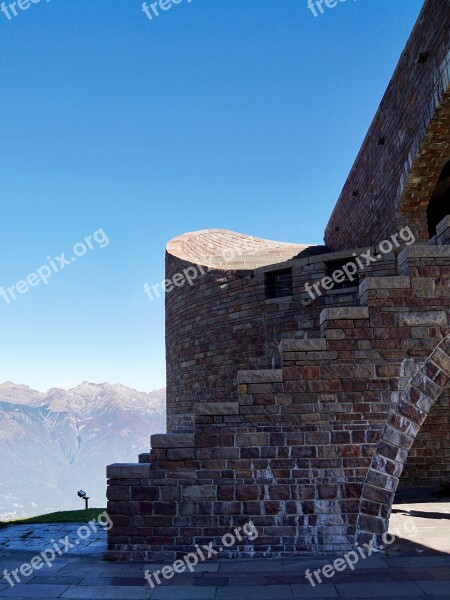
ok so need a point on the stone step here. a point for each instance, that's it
(127, 471)
(144, 458)
(352, 313)
(173, 440)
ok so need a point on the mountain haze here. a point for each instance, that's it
(53, 444)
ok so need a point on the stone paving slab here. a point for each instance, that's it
(409, 569)
(33, 591)
(435, 588)
(39, 536)
(307, 591)
(274, 592)
(395, 590)
(183, 593)
(108, 593)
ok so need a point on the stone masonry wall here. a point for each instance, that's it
(301, 415)
(294, 451)
(223, 323)
(407, 145)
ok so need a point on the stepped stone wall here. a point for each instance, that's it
(306, 415)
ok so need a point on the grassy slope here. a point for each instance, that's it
(74, 516)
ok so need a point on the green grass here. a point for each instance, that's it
(73, 516)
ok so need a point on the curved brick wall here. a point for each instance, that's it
(221, 321)
(303, 415)
(407, 145)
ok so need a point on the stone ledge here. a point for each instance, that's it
(262, 376)
(216, 408)
(423, 252)
(303, 345)
(173, 440)
(423, 319)
(128, 471)
(348, 313)
(399, 282)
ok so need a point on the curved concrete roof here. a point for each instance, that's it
(225, 249)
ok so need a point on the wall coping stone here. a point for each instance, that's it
(436, 318)
(423, 251)
(173, 440)
(384, 283)
(128, 471)
(345, 313)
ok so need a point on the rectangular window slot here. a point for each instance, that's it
(337, 265)
(279, 284)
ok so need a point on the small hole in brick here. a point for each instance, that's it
(337, 228)
(422, 58)
(355, 193)
(381, 141)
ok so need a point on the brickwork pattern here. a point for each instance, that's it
(303, 450)
(407, 145)
(301, 414)
(224, 323)
(427, 468)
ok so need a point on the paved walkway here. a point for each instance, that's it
(416, 566)
(36, 538)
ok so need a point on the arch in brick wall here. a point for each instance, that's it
(423, 170)
(403, 425)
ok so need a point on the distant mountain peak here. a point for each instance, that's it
(15, 385)
(72, 435)
(87, 397)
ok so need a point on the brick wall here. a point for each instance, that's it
(223, 323)
(407, 145)
(300, 414)
(427, 468)
(312, 451)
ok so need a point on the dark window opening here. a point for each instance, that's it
(279, 284)
(439, 206)
(347, 278)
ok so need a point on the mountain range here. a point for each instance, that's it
(55, 443)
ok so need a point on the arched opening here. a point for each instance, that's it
(403, 426)
(427, 469)
(424, 200)
(439, 206)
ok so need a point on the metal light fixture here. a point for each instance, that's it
(84, 497)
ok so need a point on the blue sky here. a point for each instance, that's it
(243, 115)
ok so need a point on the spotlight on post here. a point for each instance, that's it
(84, 497)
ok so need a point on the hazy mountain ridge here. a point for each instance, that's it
(54, 443)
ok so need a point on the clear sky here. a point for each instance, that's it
(243, 115)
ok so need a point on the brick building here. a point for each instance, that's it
(306, 408)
